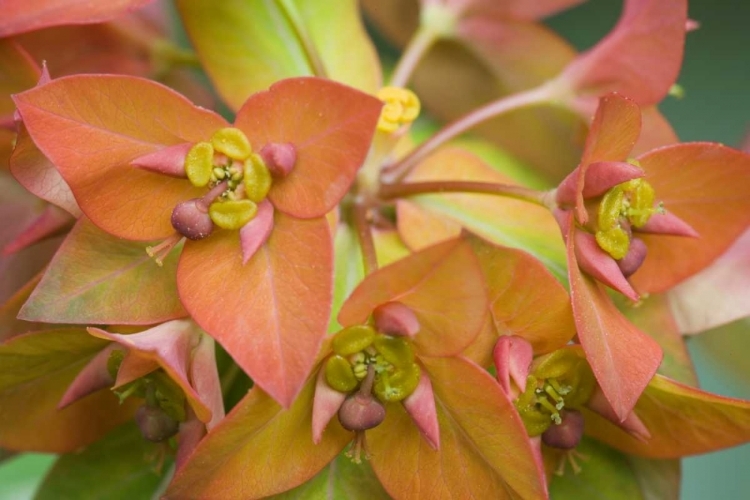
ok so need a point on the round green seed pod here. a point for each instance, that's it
(339, 374)
(353, 339)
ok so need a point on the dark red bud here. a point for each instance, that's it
(279, 158)
(155, 424)
(361, 412)
(634, 258)
(190, 219)
(567, 434)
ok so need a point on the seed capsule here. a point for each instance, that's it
(190, 219)
(154, 424)
(567, 434)
(360, 412)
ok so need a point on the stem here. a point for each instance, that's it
(365, 389)
(366, 243)
(418, 46)
(403, 190)
(397, 171)
(311, 52)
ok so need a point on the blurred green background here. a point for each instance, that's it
(716, 107)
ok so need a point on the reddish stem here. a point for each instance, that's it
(406, 189)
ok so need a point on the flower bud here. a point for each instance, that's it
(360, 412)
(191, 219)
(155, 424)
(567, 434)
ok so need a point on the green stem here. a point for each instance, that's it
(418, 46)
(364, 234)
(406, 189)
(538, 95)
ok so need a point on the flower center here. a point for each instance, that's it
(627, 205)
(559, 381)
(359, 349)
(228, 160)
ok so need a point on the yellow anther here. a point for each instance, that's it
(257, 179)
(218, 174)
(199, 164)
(397, 385)
(395, 350)
(232, 214)
(552, 393)
(353, 339)
(232, 142)
(401, 107)
(339, 374)
(642, 198)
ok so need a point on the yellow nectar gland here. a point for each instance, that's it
(357, 348)
(401, 108)
(228, 158)
(631, 204)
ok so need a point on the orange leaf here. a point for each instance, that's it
(442, 285)
(525, 300)
(92, 126)
(259, 449)
(484, 450)
(271, 313)
(622, 357)
(682, 421)
(330, 126)
(705, 185)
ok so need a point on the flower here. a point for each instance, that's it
(619, 219)
(172, 367)
(162, 168)
(395, 374)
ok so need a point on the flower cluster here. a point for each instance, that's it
(279, 278)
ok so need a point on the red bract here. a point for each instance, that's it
(20, 16)
(620, 220)
(113, 138)
(448, 421)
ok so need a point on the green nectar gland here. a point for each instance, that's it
(359, 349)
(625, 206)
(559, 381)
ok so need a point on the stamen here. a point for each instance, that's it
(160, 251)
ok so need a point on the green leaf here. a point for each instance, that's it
(122, 466)
(658, 479)
(246, 46)
(37, 369)
(501, 220)
(342, 479)
(96, 278)
(348, 270)
(605, 475)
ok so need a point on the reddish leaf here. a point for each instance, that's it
(20, 16)
(449, 320)
(329, 125)
(271, 313)
(705, 185)
(91, 127)
(37, 174)
(37, 369)
(96, 278)
(682, 421)
(513, 9)
(640, 57)
(622, 357)
(10, 326)
(259, 449)
(525, 300)
(484, 451)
